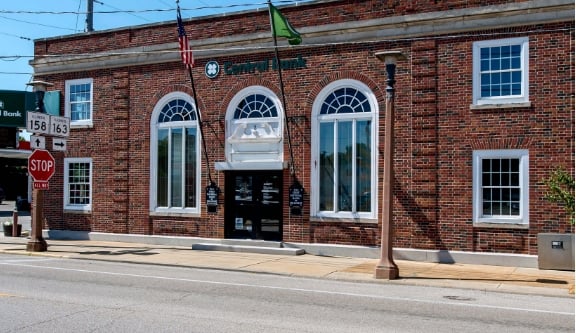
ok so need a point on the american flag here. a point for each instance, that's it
(185, 51)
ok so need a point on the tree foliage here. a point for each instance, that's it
(561, 190)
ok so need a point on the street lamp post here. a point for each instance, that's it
(386, 268)
(37, 242)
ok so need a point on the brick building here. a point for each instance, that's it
(484, 111)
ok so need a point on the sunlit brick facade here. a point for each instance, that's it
(484, 112)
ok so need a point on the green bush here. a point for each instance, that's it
(561, 190)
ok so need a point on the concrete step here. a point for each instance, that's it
(248, 249)
(248, 242)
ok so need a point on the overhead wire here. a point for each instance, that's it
(16, 36)
(40, 12)
(78, 15)
(36, 23)
(118, 9)
(121, 11)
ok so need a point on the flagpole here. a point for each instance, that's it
(200, 125)
(198, 115)
(292, 167)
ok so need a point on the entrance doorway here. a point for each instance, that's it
(253, 205)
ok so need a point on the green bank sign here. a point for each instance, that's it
(13, 107)
(15, 104)
(213, 68)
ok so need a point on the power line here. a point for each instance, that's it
(137, 16)
(35, 23)
(78, 15)
(16, 36)
(137, 10)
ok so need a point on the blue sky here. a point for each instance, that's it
(22, 21)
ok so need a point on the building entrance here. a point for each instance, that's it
(253, 205)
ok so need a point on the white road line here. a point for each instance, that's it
(27, 260)
(291, 289)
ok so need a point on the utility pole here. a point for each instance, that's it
(90, 16)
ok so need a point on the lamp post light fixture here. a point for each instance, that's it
(39, 88)
(37, 242)
(386, 268)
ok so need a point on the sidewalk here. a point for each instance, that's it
(480, 277)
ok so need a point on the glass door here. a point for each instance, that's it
(254, 205)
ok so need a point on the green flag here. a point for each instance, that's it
(282, 28)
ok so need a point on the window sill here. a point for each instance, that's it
(81, 125)
(174, 214)
(501, 225)
(77, 211)
(500, 106)
(343, 220)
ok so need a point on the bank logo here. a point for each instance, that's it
(1, 105)
(212, 69)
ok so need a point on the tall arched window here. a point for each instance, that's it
(344, 161)
(174, 155)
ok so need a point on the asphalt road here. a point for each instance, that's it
(39, 294)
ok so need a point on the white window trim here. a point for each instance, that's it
(164, 211)
(79, 208)
(501, 101)
(503, 221)
(315, 176)
(85, 123)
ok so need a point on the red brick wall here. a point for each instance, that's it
(436, 131)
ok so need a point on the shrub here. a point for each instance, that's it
(561, 190)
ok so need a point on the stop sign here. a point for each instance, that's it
(41, 165)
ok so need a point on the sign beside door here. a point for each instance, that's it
(212, 192)
(296, 198)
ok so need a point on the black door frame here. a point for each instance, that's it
(260, 212)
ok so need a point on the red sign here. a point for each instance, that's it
(41, 165)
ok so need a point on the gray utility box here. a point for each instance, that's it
(556, 251)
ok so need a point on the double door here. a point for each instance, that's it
(253, 202)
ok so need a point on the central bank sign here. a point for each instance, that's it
(213, 68)
(15, 104)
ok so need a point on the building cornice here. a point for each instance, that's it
(420, 25)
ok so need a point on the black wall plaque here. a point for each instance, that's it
(296, 198)
(212, 192)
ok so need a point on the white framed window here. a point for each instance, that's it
(79, 102)
(78, 184)
(500, 186)
(175, 156)
(344, 152)
(500, 72)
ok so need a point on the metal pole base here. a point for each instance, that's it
(386, 272)
(37, 245)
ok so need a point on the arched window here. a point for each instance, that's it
(344, 148)
(256, 105)
(254, 130)
(174, 155)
